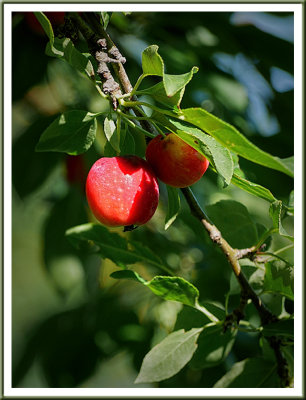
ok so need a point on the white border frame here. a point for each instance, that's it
(297, 391)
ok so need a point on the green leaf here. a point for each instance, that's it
(174, 205)
(235, 223)
(231, 138)
(169, 356)
(170, 288)
(174, 83)
(175, 289)
(46, 25)
(52, 47)
(250, 373)
(290, 207)
(152, 63)
(145, 252)
(109, 151)
(189, 318)
(279, 278)
(128, 145)
(64, 48)
(214, 346)
(275, 212)
(254, 275)
(72, 132)
(159, 94)
(111, 133)
(128, 274)
(284, 327)
(206, 145)
(111, 245)
(252, 188)
(105, 17)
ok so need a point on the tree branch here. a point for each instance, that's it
(118, 67)
(232, 255)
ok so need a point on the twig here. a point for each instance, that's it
(231, 254)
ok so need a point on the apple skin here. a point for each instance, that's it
(175, 162)
(122, 191)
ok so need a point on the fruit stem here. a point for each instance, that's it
(132, 104)
(208, 314)
(137, 84)
(140, 110)
(133, 125)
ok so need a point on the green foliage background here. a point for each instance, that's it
(73, 324)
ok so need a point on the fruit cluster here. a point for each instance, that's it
(124, 191)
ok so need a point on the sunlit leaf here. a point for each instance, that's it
(105, 17)
(64, 48)
(211, 149)
(276, 215)
(46, 25)
(169, 356)
(72, 132)
(111, 133)
(159, 94)
(167, 287)
(152, 63)
(231, 138)
(174, 83)
(279, 278)
(252, 188)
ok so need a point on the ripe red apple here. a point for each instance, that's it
(122, 191)
(174, 161)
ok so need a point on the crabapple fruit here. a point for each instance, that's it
(122, 191)
(175, 162)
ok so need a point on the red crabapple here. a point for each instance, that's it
(122, 191)
(174, 161)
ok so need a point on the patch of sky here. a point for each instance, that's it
(258, 89)
(281, 80)
(281, 27)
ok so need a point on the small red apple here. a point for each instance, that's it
(174, 161)
(122, 191)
